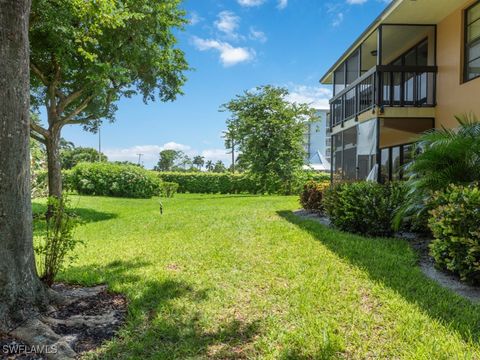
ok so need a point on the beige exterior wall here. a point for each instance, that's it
(453, 96)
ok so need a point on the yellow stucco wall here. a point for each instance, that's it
(453, 96)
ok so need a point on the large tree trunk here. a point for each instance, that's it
(53, 162)
(21, 291)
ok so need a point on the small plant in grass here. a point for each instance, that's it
(55, 246)
(168, 189)
(365, 208)
(311, 197)
(455, 224)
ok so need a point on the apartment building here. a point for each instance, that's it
(317, 142)
(414, 68)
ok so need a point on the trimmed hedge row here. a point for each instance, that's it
(106, 179)
(221, 183)
(210, 183)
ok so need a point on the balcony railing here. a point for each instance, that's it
(385, 85)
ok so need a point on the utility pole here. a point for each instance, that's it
(140, 159)
(99, 144)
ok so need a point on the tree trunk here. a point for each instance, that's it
(54, 163)
(21, 291)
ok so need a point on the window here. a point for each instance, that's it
(472, 42)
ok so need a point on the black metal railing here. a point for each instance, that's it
(385, 85)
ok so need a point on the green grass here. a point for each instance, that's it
(242, 277)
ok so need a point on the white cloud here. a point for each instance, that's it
(194, 18)
(228, 23)
(217, 154)
(338, 19)
(150, 153)
(257, 35)
(316, 96)
(250, 3)
(229, 55)
(282, 4)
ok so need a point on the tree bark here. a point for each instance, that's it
(21, 291)
(54, 165)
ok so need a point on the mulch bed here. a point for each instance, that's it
(86, 338)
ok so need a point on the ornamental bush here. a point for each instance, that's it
(455, 224)
(311, 197)
(365, 208)
(107, 179)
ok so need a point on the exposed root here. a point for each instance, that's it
(80, 321)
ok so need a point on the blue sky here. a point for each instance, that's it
(234, 45)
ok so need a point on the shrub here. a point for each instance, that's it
(365, 208)
(210, 183)
(108, 179)
(54, 246)
(168, 189)
(442, 157)
(224, 183)
(312, 195)
(455, 223)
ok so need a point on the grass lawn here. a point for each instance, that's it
(241, 277)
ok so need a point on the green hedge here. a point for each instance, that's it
(223, 183)
(210, 183)
(455, 224)
(107, 179)
(365, 208)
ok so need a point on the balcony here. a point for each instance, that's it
(385, 86)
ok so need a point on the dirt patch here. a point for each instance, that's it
(312, 215)
(89, 317)
(447, 280)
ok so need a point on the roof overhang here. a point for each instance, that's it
(405, 12)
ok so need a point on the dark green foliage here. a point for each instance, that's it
(225, 183)
(168, 189)
(210, 183)
(364, 208)
(311, 197)
(58, 241)
(444, 157)
(108, 179)
(455, 223)
(72, 157)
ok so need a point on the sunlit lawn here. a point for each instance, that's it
(242, 277)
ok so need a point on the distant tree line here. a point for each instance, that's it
(177, 160)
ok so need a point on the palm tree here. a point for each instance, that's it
(443, 157)
(199, 161)
(209, 165)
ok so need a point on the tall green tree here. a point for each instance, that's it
(21, 291)
(269, 130)
(231, 141)
(219, 167)
(198, 161)
(168, 159)
(86, 55)
(71, 157)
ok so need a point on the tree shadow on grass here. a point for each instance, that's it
(161, 323)
(393, 262)
(84, 215)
